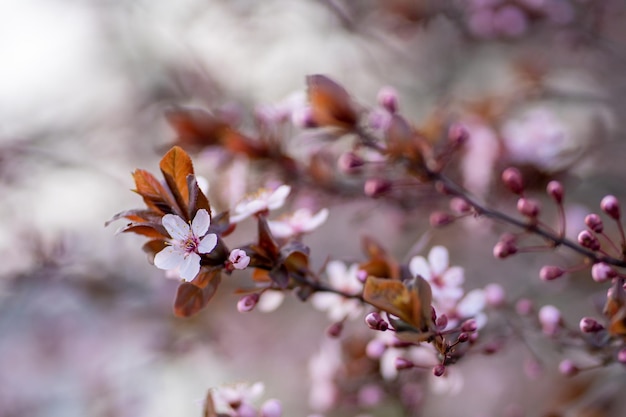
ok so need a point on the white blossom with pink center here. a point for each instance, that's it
(240, 396)
(342, 278)
(299, 222)
(186, 245)
(262, 200)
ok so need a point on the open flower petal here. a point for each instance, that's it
(190, 266)
(208, 243)
(438, 259)
(419, 266)
(454, 276)
(176, 227)
(277, 198)
(168, 258)
(201, 223)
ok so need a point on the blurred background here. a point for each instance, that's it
(86, 324)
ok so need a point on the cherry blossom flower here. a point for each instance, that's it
(301, 221)
(260, 201)
(238, 399)
(444, 280)
(239, 259)
(345, 279)
(186, 245)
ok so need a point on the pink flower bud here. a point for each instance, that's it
(524, 307)
(375, 322)
(528, 207)
(550, 319)
(350, 163)
(601, 272)
(439, 219)
(375, 349)
(335, 329)
(590, 325)
(458, 134)
(375, 187)
(594, 222)
(495, 295)
(245, 410)
(460, 206)
(441, 322)
(439, 370)
(567, 368)
(248, 302)
(271, 408)
(555, 190)
(388, 99)
(370, 395)
(303, 118)
(621, 356)
(361, 275)
(403, 363)
(491, 348)
(610, 205)
(238, 259)
(589, 241)
(469, 326)
(463, 337)
(513, 180)
(550, 272)
(504, 249)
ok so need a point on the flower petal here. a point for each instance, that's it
(270, 301)
(315, 221)
(280, 229)
(453, 276)
(190, 266)
(473, 303)
(336, 272)
(176, 227)
(169, 258)
(277, 198)
(208, 243)
(419, 266)
(201, 223)
(438, 259)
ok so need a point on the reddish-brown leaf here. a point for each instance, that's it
(176, 165)
(154, 194)
(196, 128)
(193, 296)
(151, 230)
(330, 102)
(153, 247)
(136, 216)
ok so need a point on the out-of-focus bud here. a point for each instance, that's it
(594, 223)
(246, 410)
(388, 99)
(589, 241)
(550, 272)
(463, 337)
(621, 356)
(350, 163)
(513, 180)
(361, 275)
(271, 408)
(528, 207)
(568, 368)
(610, 205)
(441, 322)
(469, 326)
(504, 249)
(375, 322)
(247, 302)
(550, 319)
(439, 370)
(460, 206)
(555, 190)
(524, 307)
(590, 325)
(440, 218)
(495, 295)
(403, 363)
(601, 272)
(335, 329)
(458, 134)
(375, 187)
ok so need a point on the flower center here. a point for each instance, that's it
(190, 244)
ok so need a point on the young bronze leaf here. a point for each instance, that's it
(421, 300)
(266, 241)
(389, 295)
(197, 199)
(195, 127)
(330, 102)
(152, 247)
(192, 297)
(151, 230)
(154, 193)
(176, 166)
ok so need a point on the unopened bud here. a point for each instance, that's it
(524, 307)
(440, 218)
(504, 249)
(610, 205)
(335, 329)
(458, 134)
(403, 363)
(248, 302)
(439, 370)
(594, 222)
(495, 295)
(375, 322)
(350, 163)
(441, 322)
(550, 272)
(550, 319)
(271, 408)
(528, 207)
(491, 348)
(463, 337)
(375, 187)
(589, 241)
(621, 356)
(567, 368)
(469, 326)
(388, 99)
(513, 180)
(460, 206)
(244, 409)
(590, 325)
(601, 272)
(555, 190)
(362, 275)
(238, 259)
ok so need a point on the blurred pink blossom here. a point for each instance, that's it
(262, 200)
(299, 222)
(343, 278)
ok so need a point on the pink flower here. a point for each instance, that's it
(444, 280)
(343, 278)
(261, 201)
(301, 221)
(186, 245)
(239, 259)
(237, 397)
